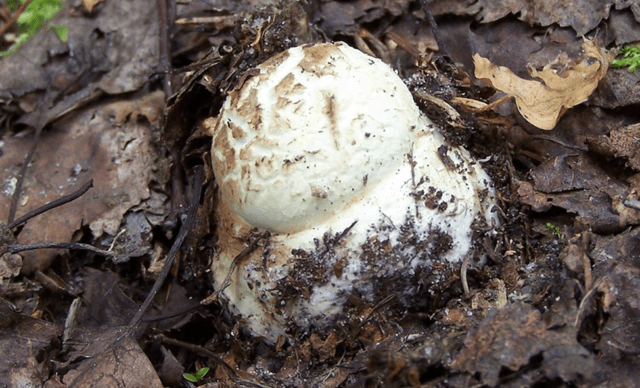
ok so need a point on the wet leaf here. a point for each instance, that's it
(345, 18)
(578, 185)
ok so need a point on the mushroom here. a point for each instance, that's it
(363, 198)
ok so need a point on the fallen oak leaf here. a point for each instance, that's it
(564, 83)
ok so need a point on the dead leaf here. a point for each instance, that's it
(100, 366)
(22, 340)
(621, 143)
(563, 83)
(10, 265)
(122, 160)
(616, 281)
(582, 16)
(344, 18)
(579, 185)
(621, 301)
(96, 358)
(326, 349)
(89, 5)
(118, 47)
(508, 338)
(171, 370)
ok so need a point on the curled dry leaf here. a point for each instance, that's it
(563, 83)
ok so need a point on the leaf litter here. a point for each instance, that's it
(541, 308)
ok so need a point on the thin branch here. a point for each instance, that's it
(53, 204)
(182, 235)
(21, 174)
(448, 65)
(632, 203)
(15, 248)
(16, 15)
(434, 28)
(234, 264)
(463, 273)
(165, 21)
(199, 350)
(162, 276)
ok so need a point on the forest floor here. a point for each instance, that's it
(551, 300)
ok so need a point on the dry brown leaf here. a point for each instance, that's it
(563, 83)
(120, 157)
(89, 5)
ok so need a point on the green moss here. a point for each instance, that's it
(630, 58)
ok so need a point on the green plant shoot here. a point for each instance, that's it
(34, 17)
(554, 230)
(630, 58)
(198, 376)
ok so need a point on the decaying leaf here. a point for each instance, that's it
(619, 288)
(620, 143)
(22, 339)
(563, 83)
(508, 339)
(107, 142)
(578, 185)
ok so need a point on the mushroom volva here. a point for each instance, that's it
(325, 149)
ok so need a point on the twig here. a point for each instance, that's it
(463, 273)
(632, 203)
(336, 240)
(177, 202)
(173, 314)
(405, 44)
(199, 350)
(384, 301)
(182, 235)
(448, 65)
(356, 331)
(15, 248)
(16, 15)
(434, 28)
(70, 323)
(21, 174)
(165, 46)
(53, 204)
(560, 142)
(227, 280)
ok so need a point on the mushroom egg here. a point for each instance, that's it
(361, 196)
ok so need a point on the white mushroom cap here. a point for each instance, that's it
(326, 149)
(301, 141)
